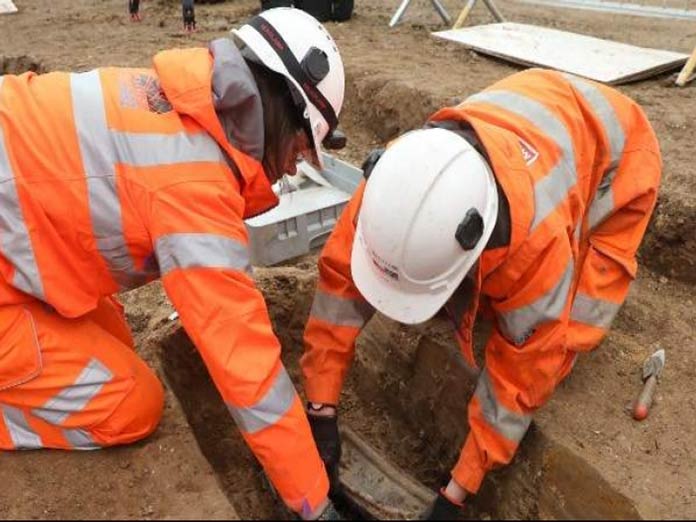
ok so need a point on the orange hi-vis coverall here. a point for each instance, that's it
(579, 167)
(110, 179)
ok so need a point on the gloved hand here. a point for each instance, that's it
(328, 441)
(371, 161)
(443, 509)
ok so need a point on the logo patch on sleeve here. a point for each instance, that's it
(529, 153)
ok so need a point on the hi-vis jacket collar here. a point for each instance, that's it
(195, 88)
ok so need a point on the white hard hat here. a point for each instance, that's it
(294, 44)
(429, 208)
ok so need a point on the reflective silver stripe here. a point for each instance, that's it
(339, 311)
(201, 250)
(105, 209)
(98, 160)
(2, 79)
(15, 241)
(80, 440)
(517, 325)
(606, 114)
(593, 311)
(75, 397)
(90, 121)
(601, 208)
(509, 424)
(551, 190)
(270, 409)
(144, 150)
(23, 437)
(603, 202)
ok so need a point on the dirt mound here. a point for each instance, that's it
(20, 64)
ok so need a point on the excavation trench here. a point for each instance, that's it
(407, 393)
(406, 397)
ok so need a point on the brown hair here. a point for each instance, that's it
(281, 117)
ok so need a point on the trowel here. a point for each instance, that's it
(652, 368)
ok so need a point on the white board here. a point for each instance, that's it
(7, 6)
(602, 60)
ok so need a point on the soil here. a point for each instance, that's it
(585, 457)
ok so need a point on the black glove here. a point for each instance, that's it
(328, 441)
(371, 161)
(443, 509)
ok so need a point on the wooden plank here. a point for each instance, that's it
(7, 7)
(594, 58)
(685, 76)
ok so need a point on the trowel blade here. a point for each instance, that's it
(654, 364)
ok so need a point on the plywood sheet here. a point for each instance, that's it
(602, 60)
(7, 6)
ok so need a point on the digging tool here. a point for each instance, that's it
(652, 368)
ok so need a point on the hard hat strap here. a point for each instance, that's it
(276, 41)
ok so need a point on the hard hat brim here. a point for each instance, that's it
(379, 290)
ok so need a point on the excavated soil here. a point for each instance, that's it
(407, 394)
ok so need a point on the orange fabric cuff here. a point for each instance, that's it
(324, 389)
(314, 496)
(469, 471)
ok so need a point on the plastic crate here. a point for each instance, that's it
(305, 217)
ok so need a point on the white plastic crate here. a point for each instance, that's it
(310, 205)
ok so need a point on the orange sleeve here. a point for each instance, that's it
(201, 246)
(338, 313)
(526, 357)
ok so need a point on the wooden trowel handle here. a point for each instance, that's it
(642, 405)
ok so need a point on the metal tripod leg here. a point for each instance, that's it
(494, 10)
(399, 13)
(404, 5)
(441, 11)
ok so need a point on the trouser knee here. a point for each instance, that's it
(137, 415)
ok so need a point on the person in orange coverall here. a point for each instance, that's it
(531, 197)
(115, 177)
